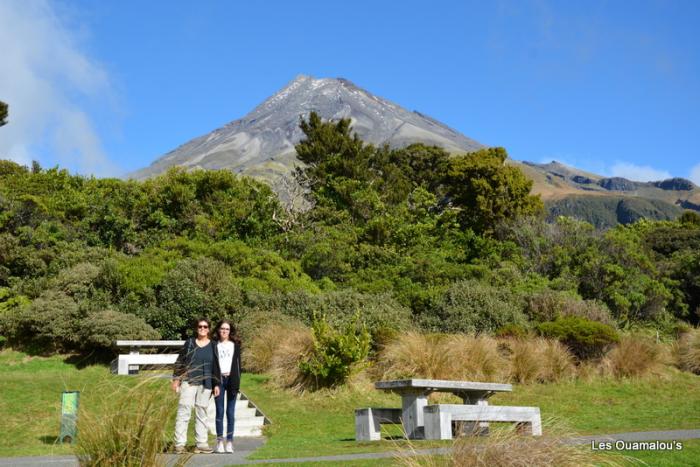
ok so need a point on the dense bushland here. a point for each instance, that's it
(410, 238)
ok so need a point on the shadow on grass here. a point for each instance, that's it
(48, 439)
(384, 438)
(81, 361)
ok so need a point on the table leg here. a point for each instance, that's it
(412, 414)
(475, 428)
(134, 369)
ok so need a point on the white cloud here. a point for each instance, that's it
(639, 173)
(695, 174)
(49, 84)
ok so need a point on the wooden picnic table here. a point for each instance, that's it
(414, 397)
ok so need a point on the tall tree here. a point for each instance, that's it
(487, 191)
(3, 113)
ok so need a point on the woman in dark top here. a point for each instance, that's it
(228, 356)
(195, 378)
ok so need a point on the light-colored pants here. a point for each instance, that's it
(197, 397)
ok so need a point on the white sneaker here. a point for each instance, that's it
(229, 446)
(220, 447)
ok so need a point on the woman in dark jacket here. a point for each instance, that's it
(228, 359)
(196, 379)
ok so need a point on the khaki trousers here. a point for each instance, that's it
(192, 396)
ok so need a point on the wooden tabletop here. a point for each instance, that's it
(443, 385)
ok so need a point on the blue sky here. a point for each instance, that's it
(106, 87)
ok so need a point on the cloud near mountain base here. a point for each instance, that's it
(695, 174)
(639, 173)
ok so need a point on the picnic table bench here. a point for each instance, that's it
(129, 364)
(414, 408)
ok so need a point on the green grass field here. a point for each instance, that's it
(322, 423)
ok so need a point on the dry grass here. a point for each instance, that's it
(415, 355)
(634, 356)
(441, 356)
(292, 346)
(475, 358)
(132, 431)
(507, 448)
(540, 360)
(689, 351)
(261, 348)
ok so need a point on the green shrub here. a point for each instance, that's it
(512, 330)
(586, 339)
(53, 322)
(101, 328)
(549, 305)
(380, 313)
(77, 281)
(471, 306)
(335, 354)
(195, 287)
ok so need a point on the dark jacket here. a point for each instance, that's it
(184, 361)
(234, 380)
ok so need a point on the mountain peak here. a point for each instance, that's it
(261, 144)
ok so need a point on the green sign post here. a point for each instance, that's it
(69, 416)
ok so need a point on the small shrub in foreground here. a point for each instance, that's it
(586, 339)
(336, 354)
(689, 351)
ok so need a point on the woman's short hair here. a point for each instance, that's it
(195, 324)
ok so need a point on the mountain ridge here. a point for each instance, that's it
(261, 145)
(262, 142)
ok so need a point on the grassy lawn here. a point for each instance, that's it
(601, 406)
(323, 423)
(30, 400)
(604, 406)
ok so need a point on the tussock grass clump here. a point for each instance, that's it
(476, 358)
(689, 351)
(506, 448)
(415, 355)
(131, 427)
(634, 356)
(260, 350)
(293, 345)
(540, 360)
(441, 356)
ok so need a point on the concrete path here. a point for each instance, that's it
(245, 446)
